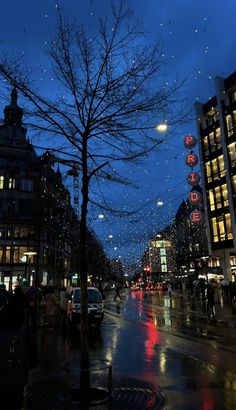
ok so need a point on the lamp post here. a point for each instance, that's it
(29, 254)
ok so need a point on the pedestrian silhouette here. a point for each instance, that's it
(211, 300)
(18, 354)
(117, 290)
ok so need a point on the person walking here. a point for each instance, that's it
(211, 300)
(63, 303)
(4, 296)
(51, 307)
(169, 289)
(117, 290)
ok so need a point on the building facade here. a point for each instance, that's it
(35, 209)
(216, 128)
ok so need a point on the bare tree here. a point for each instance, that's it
(110, 94)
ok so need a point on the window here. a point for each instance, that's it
(215, 169)
(214, 230)
(8, 254)
(221, 228)
(212, 142)
(233, 180)
(19, 254)
(164, 268)
(228, 226)
(229, 124)
(1, 254)
(225, 195)
(11, 183)
(218, 138)
(163, 260)
(218, 198)
(232, 154)
(26, 185)
(1, 182)
(2, 231)
(208, 172)
(162, 251)
(221, 166)
(10, 232)
(212, 200)
(206, 148)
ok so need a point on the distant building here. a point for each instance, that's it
(161, 256)
(216, 126)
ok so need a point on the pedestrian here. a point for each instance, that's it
(169, 289)
(211, 300)
(4, 296)
(117, 290)
(18, 355)
(63, 303)
(51, 307)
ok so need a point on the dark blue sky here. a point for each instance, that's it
(199, 39)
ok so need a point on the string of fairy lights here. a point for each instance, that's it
(188, 34)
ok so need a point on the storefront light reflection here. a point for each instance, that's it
(163, 361)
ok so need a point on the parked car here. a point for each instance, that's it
(95, 307)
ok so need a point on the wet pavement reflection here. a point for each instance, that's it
(170, 342)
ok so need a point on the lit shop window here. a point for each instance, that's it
(11, 183)
(1, 254)
(1, 182)
(164, 268)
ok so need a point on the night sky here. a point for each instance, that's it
(199, 43)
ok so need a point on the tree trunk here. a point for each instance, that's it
(84, 334)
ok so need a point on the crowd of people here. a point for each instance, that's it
(47, 301)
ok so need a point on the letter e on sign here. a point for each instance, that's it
(196, 216)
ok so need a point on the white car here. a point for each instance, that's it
(95, 307)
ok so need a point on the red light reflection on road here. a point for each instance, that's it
(152, 340)
(208, 403)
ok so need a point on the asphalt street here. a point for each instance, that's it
(171, 343)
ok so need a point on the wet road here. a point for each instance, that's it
(168, 342)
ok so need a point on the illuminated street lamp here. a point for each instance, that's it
(162, 127)
(29, 254)
(101, 216)
(160, 203)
